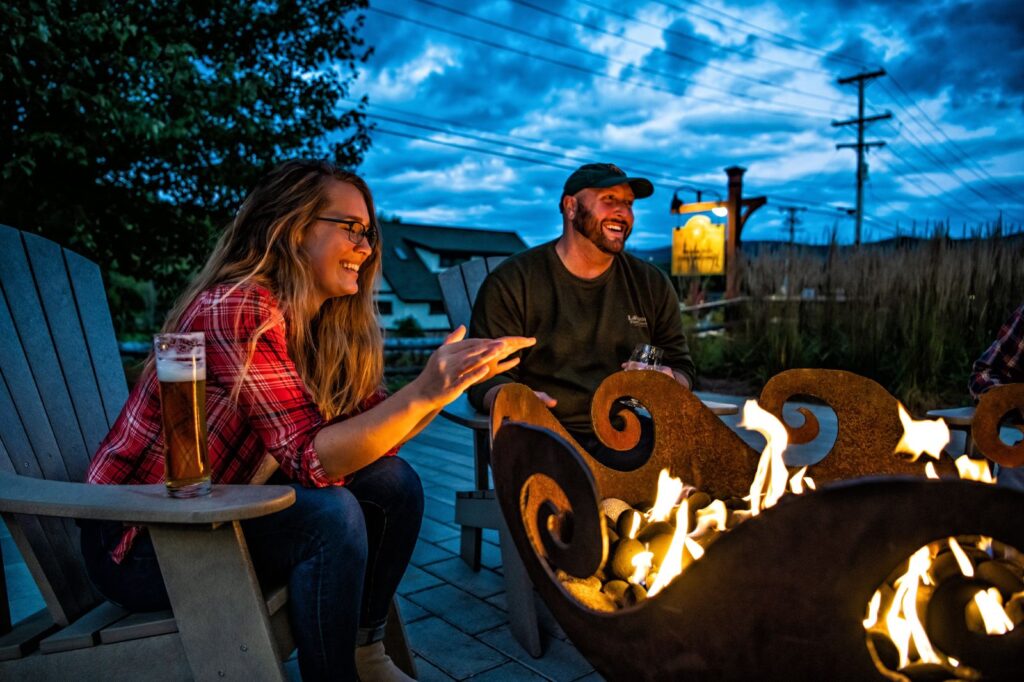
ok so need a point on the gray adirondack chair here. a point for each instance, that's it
(478, 509)
(63, 386)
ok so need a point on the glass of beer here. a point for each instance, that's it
(181, 371)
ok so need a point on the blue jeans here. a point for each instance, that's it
(342, 552)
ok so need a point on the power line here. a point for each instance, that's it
(924, 176)
(526, 148)
(958, 153)
(779, 111)
(701, 41)
(562, 151)
(674, 55)
(922, 149)
(788, 42)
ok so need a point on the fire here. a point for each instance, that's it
(902, 621)
(873, 606)
(988, 601)
(796, 484)
(922, 436)
(669, 490)
(713, 516)
(673, 564)
(642, 565)
(770, 468)
(974, 469)
(990, 606)
(929, 470)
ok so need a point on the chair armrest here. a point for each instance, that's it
(139, 504)
(462, 412)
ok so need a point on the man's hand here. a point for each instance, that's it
(678, 376)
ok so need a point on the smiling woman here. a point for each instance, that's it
(294, 384)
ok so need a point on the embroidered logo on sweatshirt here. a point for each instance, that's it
(637, 321)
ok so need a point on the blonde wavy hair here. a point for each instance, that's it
(337, 348)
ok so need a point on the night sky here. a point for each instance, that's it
(519, 92)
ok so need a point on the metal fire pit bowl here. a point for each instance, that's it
(781, 596)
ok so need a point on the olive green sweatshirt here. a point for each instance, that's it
(585, 329)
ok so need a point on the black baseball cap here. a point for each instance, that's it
(605, 175)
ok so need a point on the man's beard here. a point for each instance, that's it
(583, 221)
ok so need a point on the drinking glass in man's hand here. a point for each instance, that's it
(645, 356)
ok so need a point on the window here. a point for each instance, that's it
(400, 252)
(385, 307)
(437, 308)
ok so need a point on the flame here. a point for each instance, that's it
(966, 567)
(770, 468)
(985, 545)
(922, 436)
(713, 516)
(873, 605)
(992, 613)
(634, 526)
(673, 563)
(929, 470)
(796, 483)
(902, 620)
(641, 566)
(669, 490)
(974, 469)
(809, 482)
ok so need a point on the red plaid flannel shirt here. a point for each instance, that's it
(274, 415)
(1003, 362)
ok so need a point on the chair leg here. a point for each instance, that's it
(522, 607)
(396, 642)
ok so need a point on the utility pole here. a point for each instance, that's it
(792, 220)
(861, 145)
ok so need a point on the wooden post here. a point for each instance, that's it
(733, 227)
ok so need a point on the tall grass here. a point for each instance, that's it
(912, 315)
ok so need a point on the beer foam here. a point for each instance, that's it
(180, 370)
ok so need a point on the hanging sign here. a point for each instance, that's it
(698, 248)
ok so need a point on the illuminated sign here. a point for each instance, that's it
(698, 248)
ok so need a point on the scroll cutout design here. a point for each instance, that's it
(867, 421)
(550, 483)
(689, 439)
(995, 405)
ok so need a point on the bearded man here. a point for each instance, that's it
(585, 300)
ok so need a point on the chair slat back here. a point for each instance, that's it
(63, 387)
(460, 285)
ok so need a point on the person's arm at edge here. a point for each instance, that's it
(992, 367)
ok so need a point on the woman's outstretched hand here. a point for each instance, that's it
(460, 362)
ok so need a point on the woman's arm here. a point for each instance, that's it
(347, 446)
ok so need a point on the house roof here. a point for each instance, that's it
(410, 278)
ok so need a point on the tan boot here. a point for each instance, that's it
(374, 665)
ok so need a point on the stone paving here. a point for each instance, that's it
(456, 618)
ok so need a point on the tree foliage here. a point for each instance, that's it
(130, 130)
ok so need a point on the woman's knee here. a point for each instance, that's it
(392, 483)
(336, 520)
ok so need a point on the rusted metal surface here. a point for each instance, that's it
(780, 597)
(689, 439)
(995, 405)
(867, 419)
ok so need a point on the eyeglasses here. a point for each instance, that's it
(356, 230)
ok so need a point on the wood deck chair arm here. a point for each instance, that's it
(141, 504)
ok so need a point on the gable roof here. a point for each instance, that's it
(410, 278)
